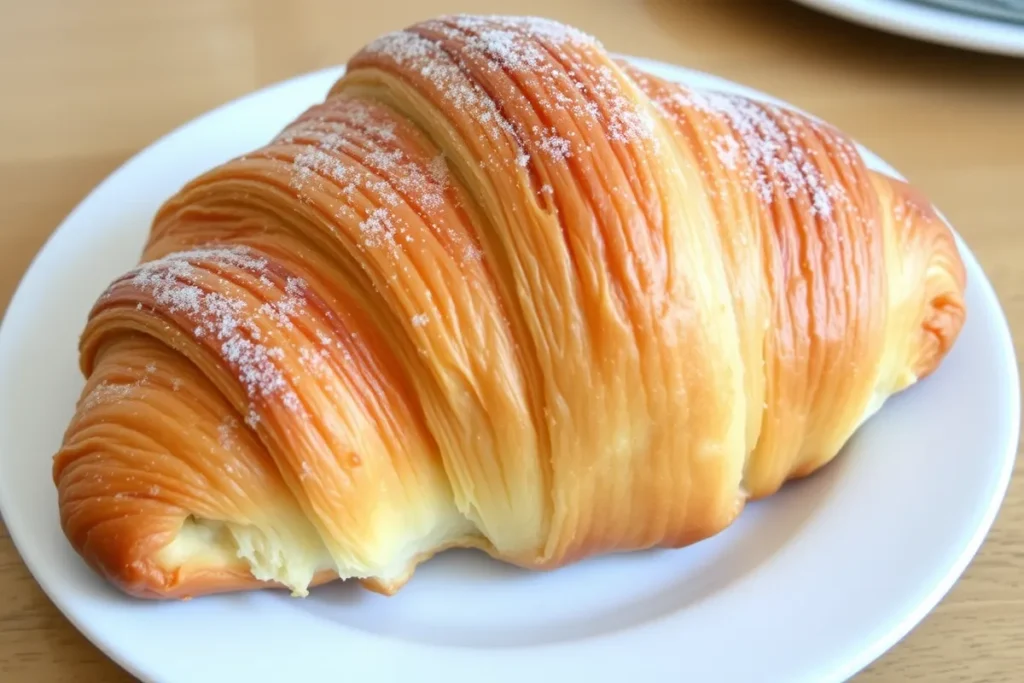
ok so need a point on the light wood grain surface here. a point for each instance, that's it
(84, 85)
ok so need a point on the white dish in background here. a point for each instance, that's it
(929, 23)
(810, 585)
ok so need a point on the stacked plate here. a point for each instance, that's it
(995, 26)
(1008, 10)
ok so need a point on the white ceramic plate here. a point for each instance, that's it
(810, 585)
(932, 24)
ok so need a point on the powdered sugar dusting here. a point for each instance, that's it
(282, 310)
(323, 338)
(501, 38)
(556, 147)
(226, 433)
(314, 360)
(438, 170)
(365, 162)
(728, 151)
(625, 121)
(106, 392)
(776, 159)
(425, 56)
(173, 280)
(356, 149)
(378, 230)
(520, 45)
(384, 160)
(471, 253)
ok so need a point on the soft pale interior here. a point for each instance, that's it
(290, 560)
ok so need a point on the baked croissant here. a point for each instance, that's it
(499, 290)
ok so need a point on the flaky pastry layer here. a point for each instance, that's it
(498, 290)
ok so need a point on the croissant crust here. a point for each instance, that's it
(498, 290)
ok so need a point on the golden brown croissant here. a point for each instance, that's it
(499, 290)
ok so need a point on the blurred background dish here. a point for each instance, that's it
(1005, 10)
(995, 26)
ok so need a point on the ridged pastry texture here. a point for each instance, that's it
(498, 290)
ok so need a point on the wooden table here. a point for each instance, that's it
(86, 84)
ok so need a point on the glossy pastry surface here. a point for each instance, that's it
(498, 290)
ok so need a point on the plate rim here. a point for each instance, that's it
(928, 24)
(853, 663)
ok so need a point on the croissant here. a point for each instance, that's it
(498, 290)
